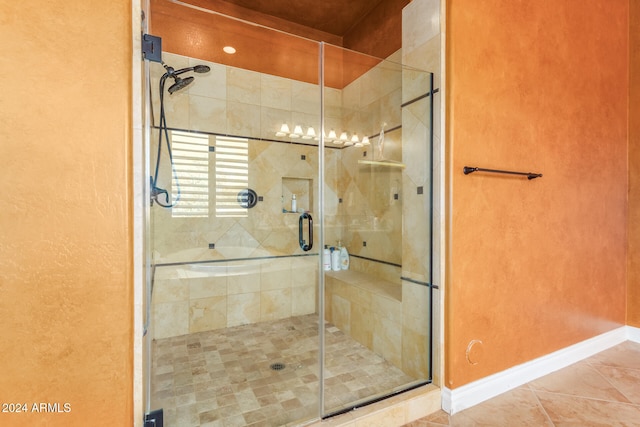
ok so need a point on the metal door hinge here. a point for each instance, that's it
(152, 48)
(154, 419)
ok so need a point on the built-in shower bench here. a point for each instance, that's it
(364, 282)
(368, 309)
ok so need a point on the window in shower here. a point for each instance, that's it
(232, 175)
(191, 177)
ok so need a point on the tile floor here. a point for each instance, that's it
(603, 390)
(224, 377)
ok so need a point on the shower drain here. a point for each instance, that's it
(277, 366)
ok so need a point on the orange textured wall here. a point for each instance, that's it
(65, 237)
(534, 266)
(633, 287)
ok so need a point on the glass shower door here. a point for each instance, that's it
(377, 205)
(236, 268)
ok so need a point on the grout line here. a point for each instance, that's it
(595, 399)
(544, 410)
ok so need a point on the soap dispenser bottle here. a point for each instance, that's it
(294, 205)
(344, 258)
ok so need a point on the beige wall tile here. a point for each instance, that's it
(360, 296)
(420, 22)
(306, 97)
(415, 304)
(243, 119)
(170, 290)
(241, 283)
(332, 104)
(243, 86)
(170, 319)
(207, 114)
(275, 92)
(362, 325)
(212, 84)
(275, 304)
(206, 314)
(303, 300)
(204, 287)
(341, 313)
(328, 299)
(276, 274)
(387, 308)
(243, 309)
(271, 119)
(387, 340)
(304, 271)
(415, 350)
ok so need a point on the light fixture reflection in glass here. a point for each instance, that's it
(332, 136)
(365, 140)
(344, 137)
(354, 138)
(311, 133)
(297, 132)
(284, 130)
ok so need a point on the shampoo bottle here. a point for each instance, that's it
(326, 259)
(294, 207)
(335, 259)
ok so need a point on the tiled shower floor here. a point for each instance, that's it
(224, 377)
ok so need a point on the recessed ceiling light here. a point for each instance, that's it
(229, 49)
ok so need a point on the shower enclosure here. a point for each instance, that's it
(248, 320)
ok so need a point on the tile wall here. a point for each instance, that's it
(363, 204)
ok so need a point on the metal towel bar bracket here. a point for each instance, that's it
(530, 175)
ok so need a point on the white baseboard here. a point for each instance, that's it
(478, 391)
(633, 334)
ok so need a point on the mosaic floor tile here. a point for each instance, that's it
(229, 377)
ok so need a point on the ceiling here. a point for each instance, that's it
(332, 16)
(280, 37)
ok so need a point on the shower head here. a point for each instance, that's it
(180, 83)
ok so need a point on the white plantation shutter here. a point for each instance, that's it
(232, 175)
(191, 162)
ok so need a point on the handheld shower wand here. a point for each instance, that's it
(179, 83)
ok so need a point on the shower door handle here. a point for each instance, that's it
(303, 246)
